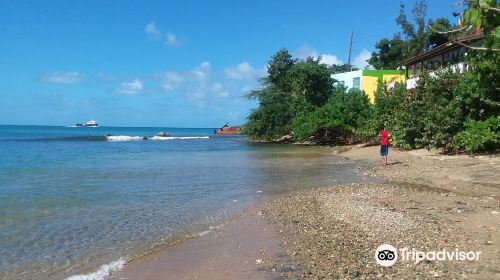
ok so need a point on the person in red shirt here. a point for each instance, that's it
(384, 145)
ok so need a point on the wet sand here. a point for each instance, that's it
(245, 247)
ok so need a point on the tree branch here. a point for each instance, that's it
(494, 9)
(475, 48)
(451, 31)
(462, 44)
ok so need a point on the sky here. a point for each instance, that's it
(169, 63)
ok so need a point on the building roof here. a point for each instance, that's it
(441, 49)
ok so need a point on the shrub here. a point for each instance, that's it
(479, 135)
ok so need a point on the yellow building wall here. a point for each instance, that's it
(369, 83)
(394, 78)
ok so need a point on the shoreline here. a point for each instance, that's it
(451, 200)
(424, 201)
(245, 246)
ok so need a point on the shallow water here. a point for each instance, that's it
(72, 200)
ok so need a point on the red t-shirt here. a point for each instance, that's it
(384, 139)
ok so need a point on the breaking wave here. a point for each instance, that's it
(103, 272)
(125, 138)
(113, 138)
(178, 138)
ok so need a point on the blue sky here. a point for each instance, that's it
(168, 63)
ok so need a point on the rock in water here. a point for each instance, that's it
(162, 134)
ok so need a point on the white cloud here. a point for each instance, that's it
(193, 85)
(330, 59)
(64, 78)
(132, 87)
(203, 71)
(219, 90)
(307, 51)
(151, 29)
(360, 60)
(243, 71)
(172, 40)
(171, 80)
(197, 86)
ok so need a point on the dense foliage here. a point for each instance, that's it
(440, 107)
(298, 96)
(448, 110)
(480, 135)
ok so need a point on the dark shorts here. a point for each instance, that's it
(384, 150)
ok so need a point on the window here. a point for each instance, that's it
(356, 83)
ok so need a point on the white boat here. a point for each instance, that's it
(90, 123)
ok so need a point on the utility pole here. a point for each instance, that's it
(350, 47)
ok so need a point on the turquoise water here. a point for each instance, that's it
(71, 200)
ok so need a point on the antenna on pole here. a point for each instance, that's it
(350, 47)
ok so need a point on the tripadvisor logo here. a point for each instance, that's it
(387, 255)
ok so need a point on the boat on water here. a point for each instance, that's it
(228, 130)
(90, 123)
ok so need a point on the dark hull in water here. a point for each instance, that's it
(228, 130)
(86, 125)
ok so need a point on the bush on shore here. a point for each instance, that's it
(446, 110)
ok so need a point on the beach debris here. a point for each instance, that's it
(259, 261)
(494, 212)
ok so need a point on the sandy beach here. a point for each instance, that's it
(422, 200)
(245, 247)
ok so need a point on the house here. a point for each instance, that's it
(448, 55)
(368, 80)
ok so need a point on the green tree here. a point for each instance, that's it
(389, 53)
(278, 67)
(436, 38)
(311, 81)
(416, 35)
(485, 16)
(273, 117)
(414, 39)
(341, 68)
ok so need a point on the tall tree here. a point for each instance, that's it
(414, 38)
(389, 53)
(278, 67)
(435, 27)
(311, 80)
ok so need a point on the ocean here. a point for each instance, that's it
(73, 199)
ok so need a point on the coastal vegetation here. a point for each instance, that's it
(447, 109)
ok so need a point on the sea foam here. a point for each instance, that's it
(102, 272)
(124, 138)
(178, 138)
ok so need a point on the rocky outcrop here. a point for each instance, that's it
(162, 134)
